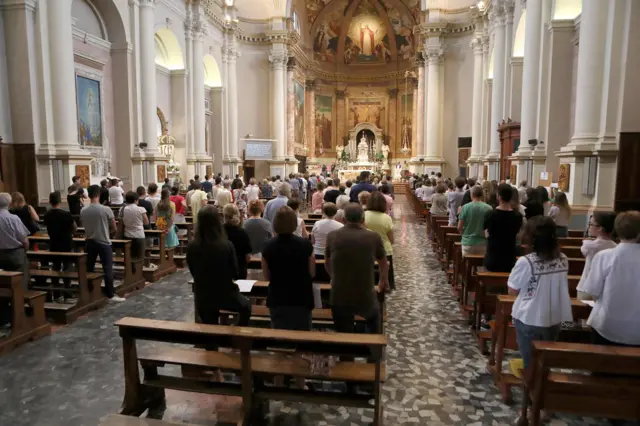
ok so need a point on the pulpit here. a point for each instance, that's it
(509, 142)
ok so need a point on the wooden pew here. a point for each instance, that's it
(606, 383)
(576, 233)
(449, 253)
(163, 259)
(180, 255)
(504, 337)
(130, 271)
(250, 361)
(321, 273)
(88, 291)
(28, 321)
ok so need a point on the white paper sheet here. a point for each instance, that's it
(245, 285)
(589, 302)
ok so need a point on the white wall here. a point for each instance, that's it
(163, 93)
(5, 112)
(458, 99)
(253, 92)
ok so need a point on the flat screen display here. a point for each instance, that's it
(258, 150)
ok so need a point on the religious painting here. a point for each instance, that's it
(314, 7)
(367, 110)
(325, 40)
(324, 110)
(209, 170)
(367, 40)
(564, 173)
(406, 122)
(85, 176)
(402, 25)
(162, 172)
(414, 7)
(298, 112)
(89, 111)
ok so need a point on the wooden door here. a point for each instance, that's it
(628, 173)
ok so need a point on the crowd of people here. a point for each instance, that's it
(497, 219)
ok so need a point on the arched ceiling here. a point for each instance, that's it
(257, 9)
(362, 32)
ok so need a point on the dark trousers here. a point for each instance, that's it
(343, 319)
(95, 249)
(61, 265)
(138, 247)
(392, 281)
(14, 260)
(599, 339)
(237, 303)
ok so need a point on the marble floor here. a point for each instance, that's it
(435, 373)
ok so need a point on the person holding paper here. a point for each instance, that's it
(289, 265)
(212, 262)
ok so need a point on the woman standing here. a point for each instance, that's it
(317, 198)
(165, 215)
(540, 282)
(212, 262)
(377, 220)
(560, 212)
(439, 201)
(239, 197)
(601, 227)
(238, 237)
(25, 212)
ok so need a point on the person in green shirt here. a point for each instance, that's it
(471, 223)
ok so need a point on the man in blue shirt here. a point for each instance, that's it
(272, 206)
(363, 185)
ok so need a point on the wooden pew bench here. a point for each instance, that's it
(159, 255)
(28, 321)
(88, 292)
(604, 381)
(503, 336)
(127, 270)
(253, 361)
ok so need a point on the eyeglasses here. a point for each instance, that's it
(595, 225)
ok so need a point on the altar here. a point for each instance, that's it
(352, 173)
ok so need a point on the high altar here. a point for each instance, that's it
(370, 153)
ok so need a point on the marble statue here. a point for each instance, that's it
(385, 151)
(339, 151)
(363, 149)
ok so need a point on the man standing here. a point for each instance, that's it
(363, 185)
(223, 197)
(274, 205)
(295, 183)
(350, 256)
(207, 186)
(98, 223)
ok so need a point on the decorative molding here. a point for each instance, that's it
(89, 60)
(163, 70)
(91, 39)
(173, 6)
(30, 5)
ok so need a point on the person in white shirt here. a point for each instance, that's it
(301, 229)
(253, 191)
(419, 191)
(116, 193)
(613, 284)
(560, 212)
(601, 228)
(152, 195)
(322, 228)
(133, 218)
(540, 282)
(348, 186)
(427, 191)
(224, 196)
(216, 187)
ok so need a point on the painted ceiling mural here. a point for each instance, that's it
(352, 32)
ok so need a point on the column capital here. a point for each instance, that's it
(145, 3)
(291, 64)
(393, 93)
(477, 44)
(341, 94)
(497, 13)
(188, 28)
(415, 82)
(278, 56)
(434, 55)
(199, 30)
(418, 60)
(310, 85)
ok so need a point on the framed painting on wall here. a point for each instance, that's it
(162, 172)
(89, 108)
(84, 174)
(564, 173)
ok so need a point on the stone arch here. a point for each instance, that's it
(211, 72)
(566, 9)
(88, 18)
(111, 18)
(168, 50)
(518, 41)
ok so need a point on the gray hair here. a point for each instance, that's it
(354, 213)
(341, 202)
(285, 190)
(5, 200)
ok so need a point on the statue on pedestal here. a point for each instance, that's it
(385, 152)
(339, 151)
(363, 150)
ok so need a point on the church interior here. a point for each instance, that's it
(130, 94)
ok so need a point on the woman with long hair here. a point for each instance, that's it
(25, 212)
(212, 262)
(239, 197)
(560, 212)
(165, 215)
(540, 282)
(377, 220)
(238, 237)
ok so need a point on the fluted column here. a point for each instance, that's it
(147, 75)
(530, 74)
(497, 96)
(476, 114)
(291, 99)
(62, 72)
(508, 48)
(232, 100)
(591, 67)
(310, 110)
(278, 58)
(188, 38)
(486, 93)
(414, 117)
(199, 33)
(434, 56)
(421, 109)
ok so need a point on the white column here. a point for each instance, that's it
(486, 93)
(198, 90)
(508, 48)
(188, 37)
(148, 75)
(425, 100)
(497, 95)
(543, 73)
(591, 65)
(291, 110)
(232, 100)
(421, 111)
(434, 56)
(62, 75)
(278, 59)
(476, 117)
(530, 73)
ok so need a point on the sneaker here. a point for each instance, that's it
(153, 266)
(117, 299)
(190, 282)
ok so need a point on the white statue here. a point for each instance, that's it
(363, 149)
(339, 151)
(385, 151)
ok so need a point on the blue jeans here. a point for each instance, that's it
(527, 334)
(95, 249)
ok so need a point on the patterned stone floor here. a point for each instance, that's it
(436, 375)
